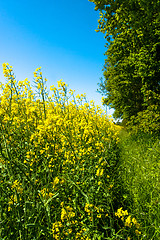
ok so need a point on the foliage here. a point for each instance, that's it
(132, 66)
(147, 121)
(58, 161)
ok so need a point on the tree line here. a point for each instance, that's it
(131, 83)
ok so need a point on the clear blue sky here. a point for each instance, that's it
(59, 36)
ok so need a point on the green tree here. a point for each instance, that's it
(132, 67)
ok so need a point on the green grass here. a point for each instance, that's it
(140, 173)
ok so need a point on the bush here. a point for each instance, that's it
(148, 120)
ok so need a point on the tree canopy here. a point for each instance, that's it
(132, 67)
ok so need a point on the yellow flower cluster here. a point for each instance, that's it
(90, 209)
(59, 143)
(12, 201)
(99, 172)
(128, 221)
(67, 213)
(56, 230)
(17, 190)
(121, 213)
(17, 186)
(45, 193)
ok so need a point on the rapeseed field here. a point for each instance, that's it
(58, 161)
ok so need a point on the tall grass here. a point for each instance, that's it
(140, 172)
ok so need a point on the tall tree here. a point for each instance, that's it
(132, 65)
